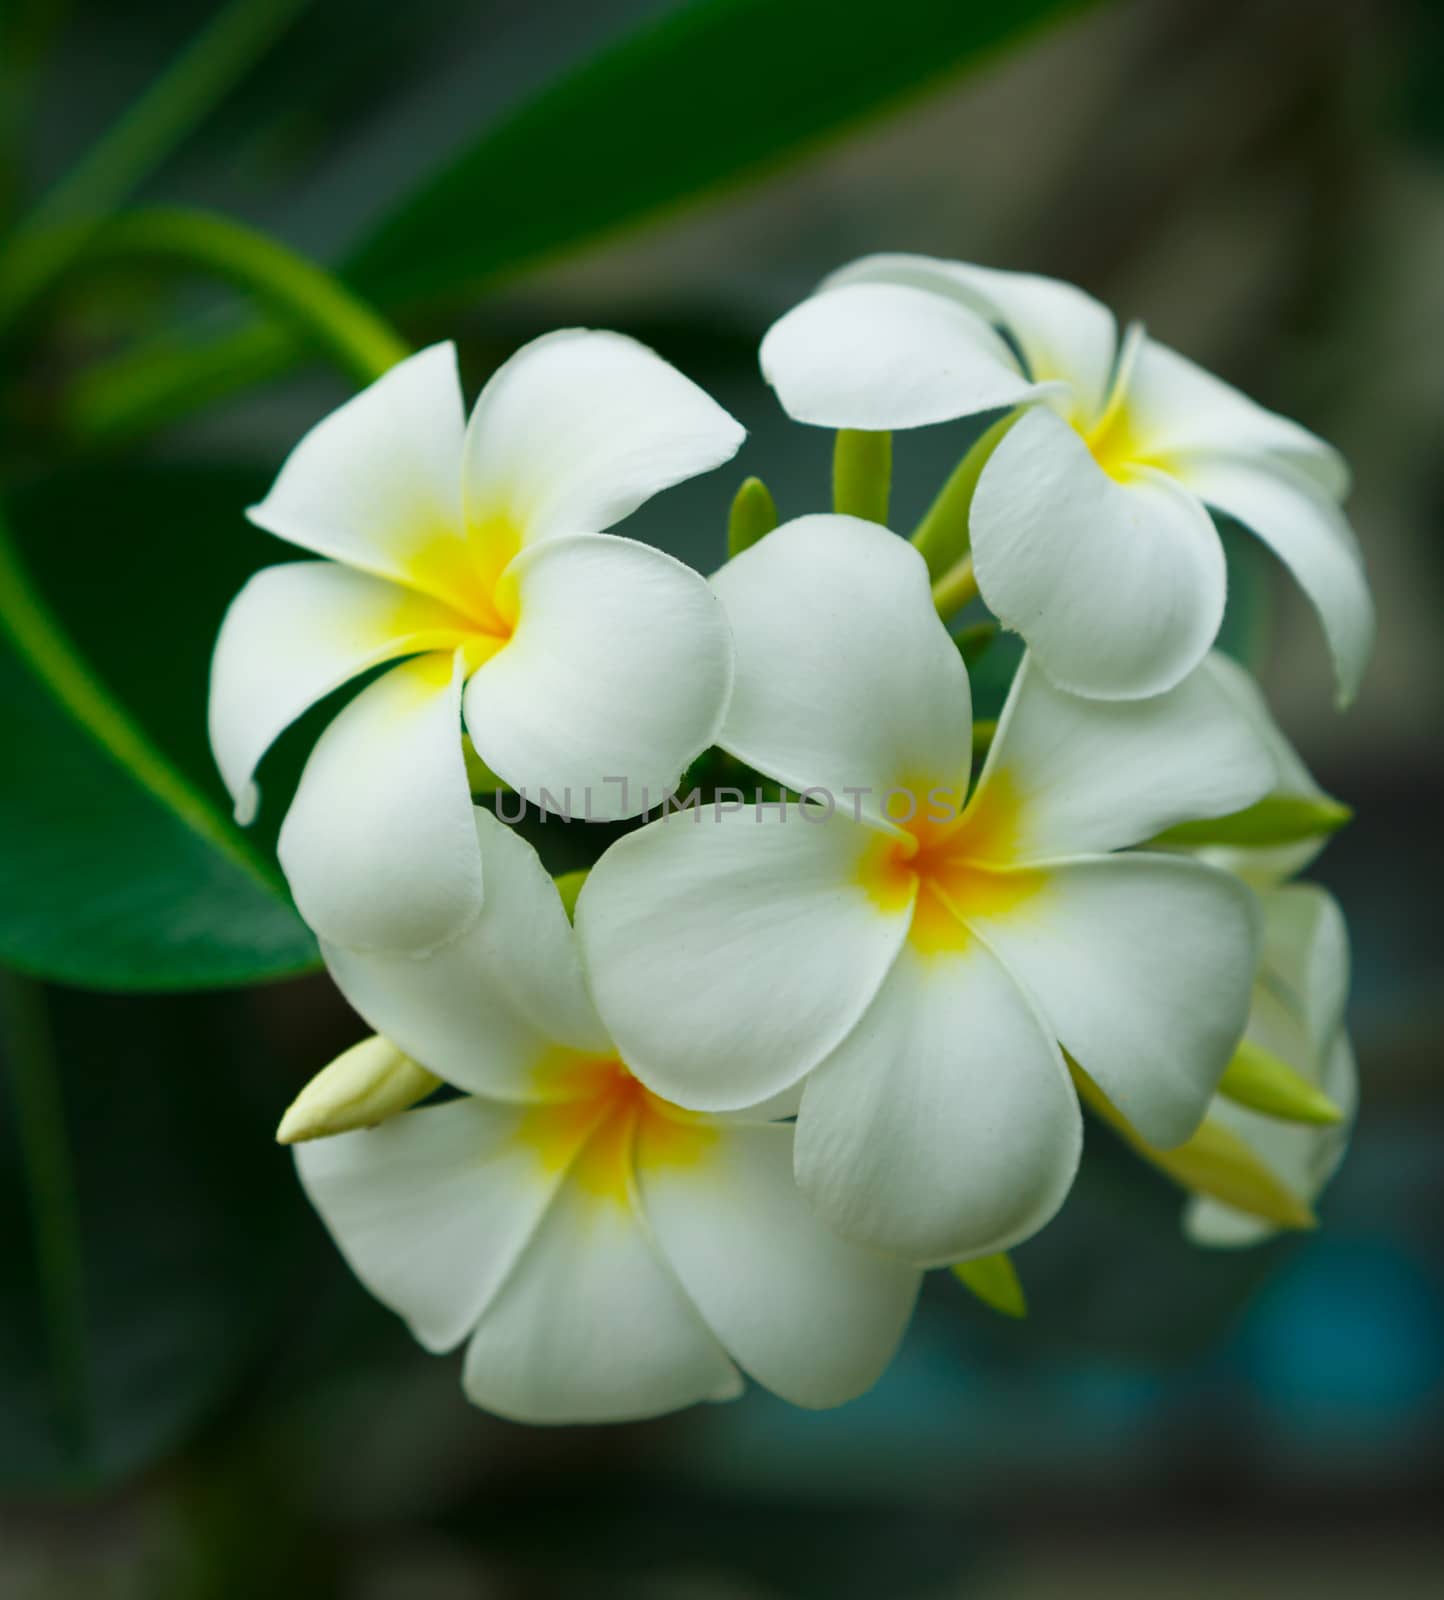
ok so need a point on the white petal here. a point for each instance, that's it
(812, 1317)
(1143, 966)
(1177, 408)
(1071, 776)
(430, 1209)
(945, 1124)
(592, 1327)
(1264, 867)
(377, 484)
(729, 956)
(489, 1009)
(1064, 333)
(881, 356)
(579, 427)
(292, 635)
(1118, 588)
(378, 844)
(1306, 959)
(1310, 535)
(845, 676)
(620, 668)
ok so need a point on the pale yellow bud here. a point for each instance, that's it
(367, 1084)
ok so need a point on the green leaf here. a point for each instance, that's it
(1277, 819)
(119, 865)
(154, 1243)
(994, 1280)
(710, 94)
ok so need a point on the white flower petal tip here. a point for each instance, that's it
(1089, 535)
(885, 356)
(580, 427)
(938, 1156)
(845, 675)
(607, 1255)
(1307, 531)
(377, 483)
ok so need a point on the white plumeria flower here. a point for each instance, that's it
(1297, 1017)
(1089, 530)
(606, 1254)
(473, 548)
(921, 976)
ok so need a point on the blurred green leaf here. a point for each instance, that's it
(103, 881)
(710, 94)
(188, 1235)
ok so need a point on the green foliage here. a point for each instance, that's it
(119, 867)
(710, 94)
(134, 1302)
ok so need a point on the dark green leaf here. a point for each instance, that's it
(103, 883)
(708, 95)
(185, 1227)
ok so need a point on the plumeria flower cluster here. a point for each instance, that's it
(833, 1016)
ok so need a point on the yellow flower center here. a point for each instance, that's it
(470, 575)
(603, 1124)
(1114, 441)
(951, 865)
(1115, 437)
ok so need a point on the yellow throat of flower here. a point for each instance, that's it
(604, 1124)
(951, 864)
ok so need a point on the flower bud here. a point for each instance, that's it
(367, 1084)
(1260, 1080)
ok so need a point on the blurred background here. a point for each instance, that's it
(195, 1398)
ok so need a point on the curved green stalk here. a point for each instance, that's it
(296, 289)
(206, 71)
(956, 588)
(942, 538)
(51, 655)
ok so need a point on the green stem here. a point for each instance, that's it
(217, 59)
(957, 586)
(54, 1214)
(304, 294)
(862, 474)
(51, 655)
(942, 537)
